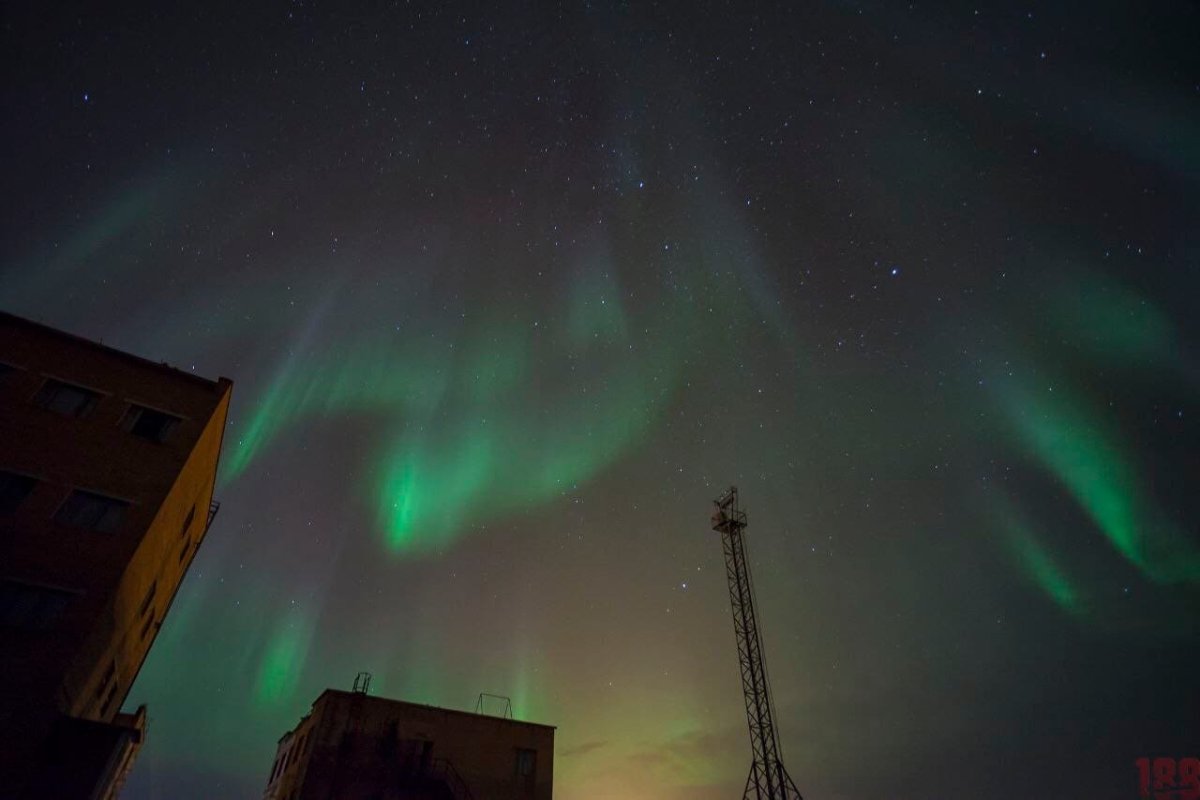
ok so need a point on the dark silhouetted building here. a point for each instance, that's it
(354, 746)
(107, 468)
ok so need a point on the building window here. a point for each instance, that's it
(149, 599)
(108, 701)
(90, 510)
(24, 605)
(109, 674)
(66, 398)
(14, 489)
(149, 423)
(187, 523)
(526, 763)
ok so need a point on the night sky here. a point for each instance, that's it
(509, 296)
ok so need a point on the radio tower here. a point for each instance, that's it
(768, 778)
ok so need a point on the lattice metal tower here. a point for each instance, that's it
(768, 779)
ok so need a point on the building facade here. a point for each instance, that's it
(355, 746)
(107, 469)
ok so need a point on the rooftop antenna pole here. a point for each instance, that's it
(505, 704)
(768, 779)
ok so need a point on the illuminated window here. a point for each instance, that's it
(90, 510)
(65, 398)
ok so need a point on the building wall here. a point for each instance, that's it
(119, 582)
(130, 621)
(358, 746)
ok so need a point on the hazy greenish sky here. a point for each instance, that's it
(509, 297)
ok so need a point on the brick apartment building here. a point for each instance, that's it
(107, 469)
(355, 746)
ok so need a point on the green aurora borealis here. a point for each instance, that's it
(509, 298)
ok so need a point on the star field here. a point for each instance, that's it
(510, 295)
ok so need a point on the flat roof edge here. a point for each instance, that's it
(161, 366)
(509, 720)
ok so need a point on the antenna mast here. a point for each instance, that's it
(768, 779)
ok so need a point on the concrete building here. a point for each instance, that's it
(107, 468)
(354, 746)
